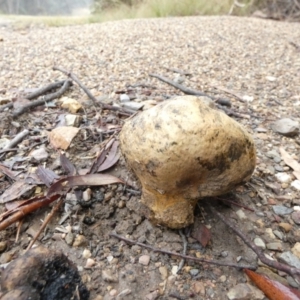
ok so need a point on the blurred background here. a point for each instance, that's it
(103, 10)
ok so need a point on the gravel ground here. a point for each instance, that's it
(258, 60)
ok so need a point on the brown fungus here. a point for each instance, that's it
(182, 150)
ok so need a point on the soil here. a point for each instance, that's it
(258, 60)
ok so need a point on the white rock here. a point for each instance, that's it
(144, 260)
(271, 78)
(248, 98)
(296, 249)
(89, 263)
(259, 243)
(283, 177)
(241, 214)
(86, 253)
(296, 184)
(174, 270)
(124, 98)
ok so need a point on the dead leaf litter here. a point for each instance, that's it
(250, 62)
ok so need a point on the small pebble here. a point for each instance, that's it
(296, 249)
(164, 272)
(240, 213)
(174, 270)
(69, 238)
(270, 233)
(296, 217)
(124, 98)
(79, 241)
(286, 226)
(144, 260)
(275, 246)
(278, 233)
(292, 282)
(113, 292)
(194, 272)
(89, 263)
(289, 258)
(286, 126)
(296, 184)
(86, 253)
(108, 276)
(3, 246)
(259, 243)
(283, 177)
(281, 210)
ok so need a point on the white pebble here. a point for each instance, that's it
(144, 260)
(296, 184)
(283, 177)
(86, 253)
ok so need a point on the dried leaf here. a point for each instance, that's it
(290, 162)
(98, 162)
(202, 234)
(14, 215)
(46, 176)
(112, 157)
(9, 173)
(67, 165)
(274, 290)
(63, 185)
(15, 191)
(61, 137)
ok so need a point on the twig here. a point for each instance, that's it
(43, 99)
(189, 91)
(175, 295)
(46, 221)
(90, 95)
(17, 139)
(74, 78)
(45, 89)
(223, 89)
(294, 272)
(36, 94)
(184, 240)
(201, 260)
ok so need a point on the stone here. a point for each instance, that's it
(39, 154)
(108, 276)
(296, 184)
(275, 246)
(296, 217)
(194, 272)
(296, 249)
(259, 243)
(164, 272)
(3, 246)
(124, 98)
(152, 296)
(281, 210)
(283, 177)
(199, 288)
(240, 213)
(86, 253)
(289, 258)
(244, 291)
(80, 240)
(272, 154)
(133, 105)
(278, 233)
(286, 126)
(144, 260)
(285, 226)
(270, 233)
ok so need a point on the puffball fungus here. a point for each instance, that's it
(182, 150)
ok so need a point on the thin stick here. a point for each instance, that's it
(90, 95)
(189, 91)
(271, 263)
(43, 99)
(17, 139)
(74, 78)
(43, 90)
(201, 260)
(46, 221)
